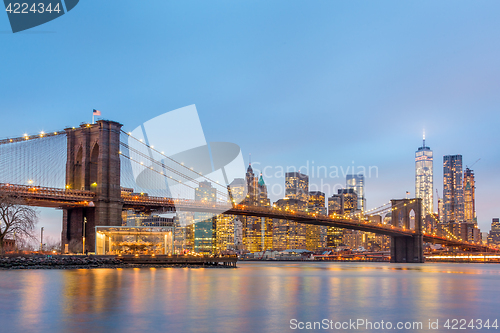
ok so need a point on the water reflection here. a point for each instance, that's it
(259, 297)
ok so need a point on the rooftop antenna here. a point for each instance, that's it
(250, 159)
(424, 139)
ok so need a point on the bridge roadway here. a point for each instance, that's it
(65, 198)
(47, 196)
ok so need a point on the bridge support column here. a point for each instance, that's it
(406, 249)
(93, 164)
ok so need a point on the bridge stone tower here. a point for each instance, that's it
(93, 164)
(407, 249)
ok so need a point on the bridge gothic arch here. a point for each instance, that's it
(407, 213)
(94, 166)
(78, 171)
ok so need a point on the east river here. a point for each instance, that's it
(255, 297)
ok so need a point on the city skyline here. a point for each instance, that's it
(349, 93)
(250, 166)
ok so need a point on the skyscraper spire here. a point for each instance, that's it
(261, 180)
(424, 139)
(250, 159)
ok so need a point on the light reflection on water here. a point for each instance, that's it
(256, 297)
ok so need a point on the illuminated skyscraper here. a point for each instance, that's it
(297, 186)
(252, 186)
(453, 194)
(289, 234)
(494, 235)
(224, 232)
(262, 197)
(349, 200)
(317, 202)
(346, 201)
(257, 231)
(204, 223)
(335, 204)
(424, 179)
(314, 233)
(357, 183)
(469, 196)
(237, 190)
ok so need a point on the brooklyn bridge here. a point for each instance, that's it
(85, 170)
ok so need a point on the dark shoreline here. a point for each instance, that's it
(16, 262)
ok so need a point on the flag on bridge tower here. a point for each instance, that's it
(95, 113)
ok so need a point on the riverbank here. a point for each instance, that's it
(90, 262)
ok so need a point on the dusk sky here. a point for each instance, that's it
(340, 83)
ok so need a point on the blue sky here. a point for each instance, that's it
(289, 81)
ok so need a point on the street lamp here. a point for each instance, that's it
(41, 240)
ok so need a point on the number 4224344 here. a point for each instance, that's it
(24, 8)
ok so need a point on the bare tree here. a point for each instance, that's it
(17, 220)
(52, 244)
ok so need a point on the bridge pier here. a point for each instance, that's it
(406, 249)
(93, 164)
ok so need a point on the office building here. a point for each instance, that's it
(256, 231)
(237, 190)
(357, 183)
(335, 205)
(453, 194)
(494, 235)
(224, 231)
(252, 186)
(288, 234)
(349, 200)
(297, 186)
(316, 235)
(262, 196)
(204, 223)
(424, 178)
(469, 196)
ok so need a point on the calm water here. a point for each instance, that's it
(256, 297)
